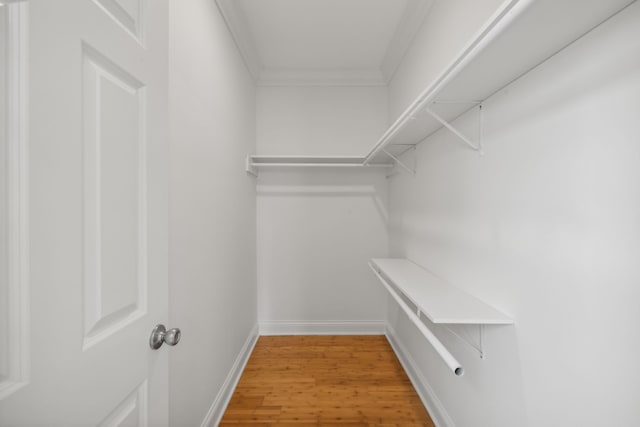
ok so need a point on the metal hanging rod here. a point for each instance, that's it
(442, 351)
(457, 101)
(253, 163)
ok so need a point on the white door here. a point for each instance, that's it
(84, 276)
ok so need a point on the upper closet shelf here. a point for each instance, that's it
(435, 298)
(519, 36)
(256, 162)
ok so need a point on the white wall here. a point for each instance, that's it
(212, 207)
(320, 120)
(318, 228)
(545, 227)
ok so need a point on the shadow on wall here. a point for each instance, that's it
(317, 229)
(328, 183)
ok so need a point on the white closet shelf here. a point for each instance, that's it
(518, 37)
(439, 301)
(265, 161)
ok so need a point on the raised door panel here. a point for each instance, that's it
(126, 13)
(114, 197)
(132, 411)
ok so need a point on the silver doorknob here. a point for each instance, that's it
(160, 335)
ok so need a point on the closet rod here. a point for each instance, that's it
(320, 165)
(442, 351)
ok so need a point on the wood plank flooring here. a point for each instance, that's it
(300, 381)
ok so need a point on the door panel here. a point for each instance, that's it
(128, 14)
(115, 283)
(97, 169)
(131, 412)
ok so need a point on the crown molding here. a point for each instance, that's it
(277, 77)
(414, 15)
(234, 17)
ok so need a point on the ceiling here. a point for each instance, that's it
(323, 42)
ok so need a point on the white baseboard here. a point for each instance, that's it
(429, 399)
(355, 327)
(219, 405)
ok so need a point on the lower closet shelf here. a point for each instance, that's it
(439, 301)
(435, 298)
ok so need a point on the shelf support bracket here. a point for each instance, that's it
(482, 353)
(476, 146)
(400, 163)
(249, 168)
(479, 347)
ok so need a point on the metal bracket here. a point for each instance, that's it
(251, 170)
(477, 146)
(403, 165)
(479, 346)
(400, 163)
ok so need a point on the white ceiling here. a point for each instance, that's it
(354, 42)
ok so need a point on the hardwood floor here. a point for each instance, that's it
(325, 380)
